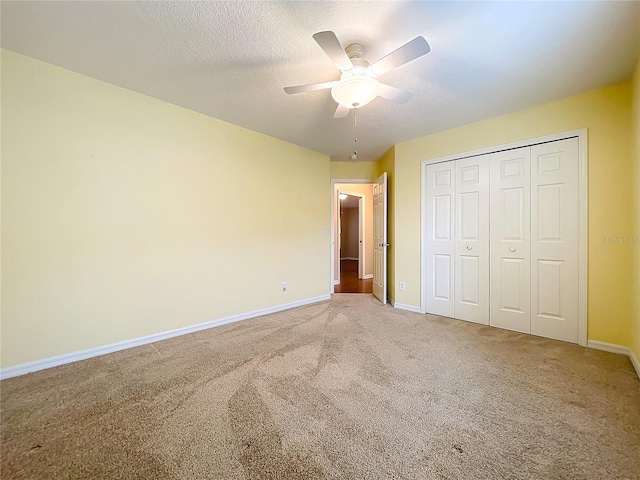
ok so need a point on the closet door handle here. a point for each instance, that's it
(469, 247)
(512, 249)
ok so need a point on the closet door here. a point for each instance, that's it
(510, 239)
(440, 242)
(554, 240)
(471, 262)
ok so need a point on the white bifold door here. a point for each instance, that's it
(458, 239)
(440, 244)
(502, 239)
(510, 239)
(554, 240)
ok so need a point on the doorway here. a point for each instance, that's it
(372, 262)
(352, 244)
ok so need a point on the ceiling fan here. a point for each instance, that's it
(358, 85)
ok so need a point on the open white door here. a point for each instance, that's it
(380, 238)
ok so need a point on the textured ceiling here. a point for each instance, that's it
(230, 60)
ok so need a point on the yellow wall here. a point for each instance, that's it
(387, 164)
(606, 113)
(124, 216)
(353, 170)
(635, 345)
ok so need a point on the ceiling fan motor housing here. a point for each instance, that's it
(358, 85)
(355, 52)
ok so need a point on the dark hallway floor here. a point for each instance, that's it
(349, 281)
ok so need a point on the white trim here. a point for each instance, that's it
(336, 282)
(583, 214)
(583, 234)
(509, 146)
(608, 347)
(423, 236)
(362, 238)
(409, 308)
(368, 276)
(36, 365)
(635, 361)
(613, 348)
(351, 180)
(362, 241)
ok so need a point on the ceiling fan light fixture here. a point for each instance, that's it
(355, 92)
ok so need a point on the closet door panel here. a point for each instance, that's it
(471, 267)
(554, 240)
(510, 220)
(440, 179)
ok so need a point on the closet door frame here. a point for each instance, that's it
(581, 135)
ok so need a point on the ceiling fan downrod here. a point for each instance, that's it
(354, 155)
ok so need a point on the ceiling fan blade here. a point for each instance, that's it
(332, 47)
(409, 51)
(309, 88)
(341, 111)
(392, 93)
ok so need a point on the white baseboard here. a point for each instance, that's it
(607, 347)
(613, 348)
(336, 282)
(635, 361)
(409, 308)
(368, 276)
(29, 367)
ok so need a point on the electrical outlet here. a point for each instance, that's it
(402, 286)
(284, 286)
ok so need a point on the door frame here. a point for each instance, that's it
(361, 231)
(334, 183)
(583, 213)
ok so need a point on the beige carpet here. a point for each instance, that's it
(342, 389)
